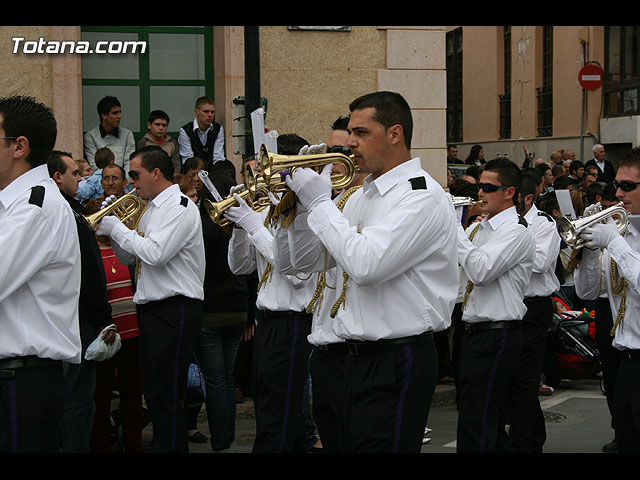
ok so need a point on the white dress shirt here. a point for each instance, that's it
(169, 244)
(185, 143)
(279, 292)
(40, 280)
(397, 246)
(593, 278)
(544, 280)
(499, 263)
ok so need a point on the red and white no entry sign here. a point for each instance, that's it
(590, 76)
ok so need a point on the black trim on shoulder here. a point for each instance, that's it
(37, 196)
(184, 201)
(418, 183)
(522, 221)
(545, 214)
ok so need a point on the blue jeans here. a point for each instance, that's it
(216, 356)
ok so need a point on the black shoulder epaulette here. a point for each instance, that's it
(545, 214)
(184, 201)
(418, 183)
(37, 195)
(522, 221)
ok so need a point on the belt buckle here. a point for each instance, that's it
(467, 327)
(352, 348)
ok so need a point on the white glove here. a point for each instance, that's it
(106, 225)
(244, 216)
(108, 201)
(599, 235)
(274, 200)
(236, 188)
(313, 149)
(311, 188)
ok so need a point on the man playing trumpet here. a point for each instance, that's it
(391, 247)
(617, 269)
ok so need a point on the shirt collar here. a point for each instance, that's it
(505, 215)
(115, 132)
(197, 127)
(21, 184)
(387, 181)
(164, 195)
(531, 214)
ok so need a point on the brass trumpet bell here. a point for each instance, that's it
(273, 163)
(124, 208)
(570, 230)
(216, 210)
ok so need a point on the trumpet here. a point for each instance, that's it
(464, 201)
(124, 208)
(272, 163)
(569, 230)
(216, 210)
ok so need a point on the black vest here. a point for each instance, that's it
(199, 150)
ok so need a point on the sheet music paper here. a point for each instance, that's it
(565, 204)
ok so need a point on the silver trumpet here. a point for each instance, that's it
(570, 230)
(464, 201)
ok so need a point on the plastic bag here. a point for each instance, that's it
(99, 350)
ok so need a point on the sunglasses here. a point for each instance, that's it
(625, 185)
(134, 174)
(339, 149)
(490, 187)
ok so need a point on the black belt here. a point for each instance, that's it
(28, 361)
(357, 347)
(632, 354)
(482, 326)
(286, 313)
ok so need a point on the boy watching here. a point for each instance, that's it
(158, 125)
(91, 188)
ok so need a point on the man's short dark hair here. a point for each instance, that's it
(609, 193)
(595, 189)
(508, 173)
(25, 117)
(557, 170)
(575, 166)
(103, 157)
(55, 162)
(463, 188)
(563, 183)
(193, 163)
(391, 109)
(106, 104)
(158, 114)
(535, 173)
(341, 123)
(631, 159)
(203, 101)
(152, 157)
(543, 167)
(290, 144)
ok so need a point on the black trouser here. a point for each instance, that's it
(487, 354)
(609, 355)
(627, 402)
(280, 358)
(527, 432)
(374, 396)
(31, 405)
(168, 335)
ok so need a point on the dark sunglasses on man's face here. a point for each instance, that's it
(133, 174)
(490, 187)
(339, 149)
(625, 185)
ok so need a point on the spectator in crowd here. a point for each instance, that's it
(120, 373)
(547, 178)
(476, 156)
(108, 133)
(92, 187)
(606, 172)
(204, 137)
(158, 125)
(576, 171)
(84, 168)
(452, 154)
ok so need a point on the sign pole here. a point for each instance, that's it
(584, 94)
